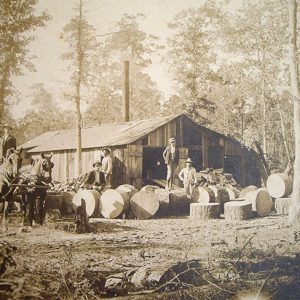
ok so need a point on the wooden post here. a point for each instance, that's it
(125, 98)
(204, 151)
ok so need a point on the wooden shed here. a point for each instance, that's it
(137, 148)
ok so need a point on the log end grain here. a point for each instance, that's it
(204, 211)
(279, 185)
(144, 205)
(91, 198)
(237, 210)
(111, 204)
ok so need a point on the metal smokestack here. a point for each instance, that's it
(125, 100)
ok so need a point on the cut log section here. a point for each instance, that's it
(204, 211)
(149, 188)
(282, 205)
(129, 189)
(179, 203)
(221, 195)
(279, 185)
(67, 205)
(113, 203)
(53, 202)
(92, 200)
(203, 195)
(261, 201)
(144, 205)
(231, 193)
(237, 210)
(246, 190)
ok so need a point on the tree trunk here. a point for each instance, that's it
(237, 210)
(78, 92)
(92, 201)
(279, 185)
(204, 211)
(294, 214)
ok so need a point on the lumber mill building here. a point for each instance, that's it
(137, 148)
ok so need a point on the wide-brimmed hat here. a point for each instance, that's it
(189, 161)
(6, 125)
(172, 140)
(97, 163)
(108, 150)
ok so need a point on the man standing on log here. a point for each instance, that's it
(188, 177)
(7, 142)
(171, 157)
(107, 166)
(95, 179)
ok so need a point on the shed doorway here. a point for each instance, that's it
(153, 163)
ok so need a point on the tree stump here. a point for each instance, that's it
(261, 201)
(204, 211)
(144, 205)
(282, 205)
(203, 195)
(279, 185)
(237, 210)
(113, 203)
(179, 203)
(92, 201)
(82, 221)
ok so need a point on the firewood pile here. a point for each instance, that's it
(216, 177)
(70, 185)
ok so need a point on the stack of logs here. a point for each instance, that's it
(215, 193)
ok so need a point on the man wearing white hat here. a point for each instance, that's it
(171, 157)
(188, 177)
(7, 142)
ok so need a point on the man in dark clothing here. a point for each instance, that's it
(95, 179)
(7, 141)
(171, 157)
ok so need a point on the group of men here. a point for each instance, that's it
(7, 141)
(101, 175)
(187, 175)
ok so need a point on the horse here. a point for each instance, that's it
(33, 199)
(9, 174)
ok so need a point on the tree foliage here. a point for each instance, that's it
(17, 20)
(127, 42)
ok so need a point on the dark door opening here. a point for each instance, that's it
(196, 157)
(232, 164)
(153, 164)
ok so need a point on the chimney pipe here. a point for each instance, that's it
(125, 100)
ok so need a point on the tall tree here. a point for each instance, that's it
(294, 215)
(79, 35)
(128, 42)
(192, 52)
(17, 20)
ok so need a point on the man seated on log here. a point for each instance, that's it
(188, 177)
(95, 179)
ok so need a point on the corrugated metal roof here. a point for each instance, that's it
(114, 134)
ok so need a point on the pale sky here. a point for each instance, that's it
(102, 14)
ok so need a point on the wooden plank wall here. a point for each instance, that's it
(65, 163)
(232, 147)
(135, 165)
(160, 137)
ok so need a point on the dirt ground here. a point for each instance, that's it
(253, 259)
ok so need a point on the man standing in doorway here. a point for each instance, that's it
(188, 177)
(107, 167)
(171, 157)
(8, 141)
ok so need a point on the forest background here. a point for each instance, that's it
(227, 69)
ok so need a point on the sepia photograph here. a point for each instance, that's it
(150, 149)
